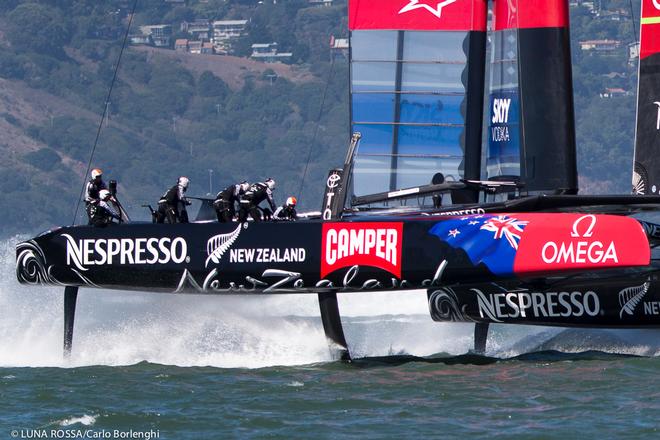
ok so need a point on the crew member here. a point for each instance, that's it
(172, 205)
(100, 212)
(225, 201)
(257, 193)
(287, 211)
(94, 186)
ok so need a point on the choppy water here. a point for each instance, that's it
(190, 367)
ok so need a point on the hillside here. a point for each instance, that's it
(224, 118)
(233, 70)
(204, 116)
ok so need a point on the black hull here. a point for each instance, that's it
(259, 258)
(614, 300)
(471, 274)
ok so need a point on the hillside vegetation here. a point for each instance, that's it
(170, 114)
(223, 118)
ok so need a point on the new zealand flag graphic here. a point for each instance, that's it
(489, 239)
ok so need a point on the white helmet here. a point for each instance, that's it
(270, 183)
(291, 201)
(104, 194)
(96, 172)
(184, 181)
(244, 185)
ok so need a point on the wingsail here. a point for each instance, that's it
(646, 168)
(417, 75)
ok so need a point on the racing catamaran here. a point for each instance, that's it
(409, 209)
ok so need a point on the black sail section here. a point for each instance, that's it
(548, 119)
(474, 100)
(646, 171)
(531, 121)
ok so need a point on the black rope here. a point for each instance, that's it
(632, 16)
(105, 110)
(316, 129)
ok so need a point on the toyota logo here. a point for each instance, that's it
(333, 180)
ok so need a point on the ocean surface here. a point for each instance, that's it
(192, 367)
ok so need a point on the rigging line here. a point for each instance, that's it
(318, 123)
(105, 110)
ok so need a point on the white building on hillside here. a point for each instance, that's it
(267, 52)
(226, 30)
(161, 34)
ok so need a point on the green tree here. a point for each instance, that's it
(45, 159)
(210, 85)
(40, 28)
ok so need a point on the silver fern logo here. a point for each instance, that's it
(639, 187)
(217, 245)
(630, 297)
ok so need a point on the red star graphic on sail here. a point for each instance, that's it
(509, 228)
(433, 6)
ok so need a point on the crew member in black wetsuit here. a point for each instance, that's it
(257, 193)
(287, 211)
(225, 201)
(94, 186)
(100, 212)
(172, 205)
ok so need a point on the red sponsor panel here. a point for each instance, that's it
(650, 8)
(650, 28)
(524, 14)
(375, 244)
(650, 40)
(438, 15)
(560, 242)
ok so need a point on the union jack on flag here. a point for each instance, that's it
(487, 239)
(509, 228)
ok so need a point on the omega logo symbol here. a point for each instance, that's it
(590, 229)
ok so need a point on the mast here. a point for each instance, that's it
(417, 75)
(532, 123)
(646, 164)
